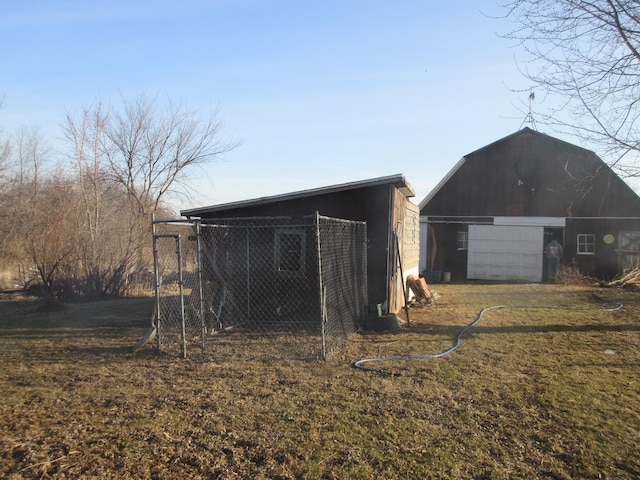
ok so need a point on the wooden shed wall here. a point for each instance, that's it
(412, 238)
(406, 222)
(368, 204)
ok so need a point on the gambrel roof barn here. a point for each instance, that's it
(494, 212)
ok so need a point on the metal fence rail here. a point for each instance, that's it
(301, 277)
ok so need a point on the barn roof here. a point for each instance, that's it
(462, 161)
(529, 131)
(397, 180)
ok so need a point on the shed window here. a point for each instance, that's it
(289, 251)
(463, 240)
(586, 244)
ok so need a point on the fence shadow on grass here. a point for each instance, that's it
(104, 351)
(43, 333)
(454, 330)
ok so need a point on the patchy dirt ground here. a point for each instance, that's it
(547, 391)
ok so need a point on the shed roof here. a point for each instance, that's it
(397, 180)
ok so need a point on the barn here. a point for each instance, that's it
(392, 224)
(492, 215)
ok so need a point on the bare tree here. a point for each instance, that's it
(126, 161)
(5, 198)
(586, 53)
(104, 243)
(42, 224)
(22, 175)
(150, 152)
(50, 235)
(5, 154)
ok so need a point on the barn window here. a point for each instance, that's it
(586, 244)
(289, 251)
(463, 240)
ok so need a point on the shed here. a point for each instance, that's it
(492, 214)
(393, 231)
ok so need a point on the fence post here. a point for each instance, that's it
(203, 326)
(321, 290)
(183, 332)
(248, 270)
(364, 270)
(156, 284)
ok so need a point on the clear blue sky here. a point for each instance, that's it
(320, 92)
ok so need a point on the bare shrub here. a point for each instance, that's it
(571, 275)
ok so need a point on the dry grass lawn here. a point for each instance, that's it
(531, 393)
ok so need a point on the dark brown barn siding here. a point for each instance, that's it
(605, 263)
(443, 244)
(530, 174)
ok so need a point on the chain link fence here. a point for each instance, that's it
(299, 280)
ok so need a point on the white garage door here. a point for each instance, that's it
(510, 253)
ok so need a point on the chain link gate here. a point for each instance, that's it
(177, 321)
(302, 277)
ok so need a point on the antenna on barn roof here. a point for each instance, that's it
(529, 118)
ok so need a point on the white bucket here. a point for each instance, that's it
(446, 276)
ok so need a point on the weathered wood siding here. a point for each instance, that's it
(412, 239)
(606, 261)
(530, 174)
(406, 225)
